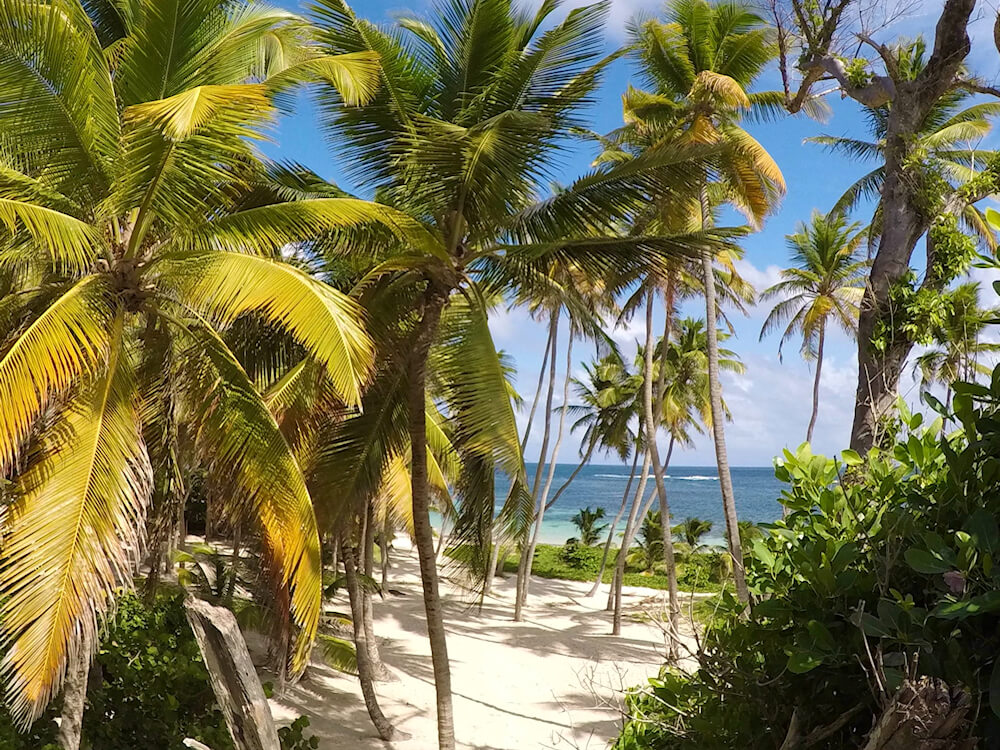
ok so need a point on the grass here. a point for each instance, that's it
(552, 561)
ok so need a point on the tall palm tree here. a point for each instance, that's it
(700, 64)
(474, 107)
(138, 224)
(826, 281)
(959, 346)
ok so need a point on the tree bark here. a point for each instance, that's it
(366, 675)
(819, 369)
(539, 469)
(614, 524)
(718, 427)
(234, 680)
(75, 692)
(924, 715)
(654, 455)
(384, 549)
(379, 671)
(434, 302)
(552, 470)
(630, 527)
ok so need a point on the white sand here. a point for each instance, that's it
(552, 681)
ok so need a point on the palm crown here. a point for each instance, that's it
(139, 223)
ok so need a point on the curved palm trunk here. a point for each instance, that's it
(543, 453)
(538, 389)
(368, 620)
(819, 369)
(719, 435)
(630, 526)
(614, 525)
(366, 676)
(434, 302)
(661, 489)
(552, 470)
(384, 549)
(579, 467)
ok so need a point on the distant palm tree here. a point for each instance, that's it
(959, 348)
(587, 521)
(826, 281)
(691, 532)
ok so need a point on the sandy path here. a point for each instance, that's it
(553, 681)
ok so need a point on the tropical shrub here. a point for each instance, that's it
(580, 556)
(883, 570)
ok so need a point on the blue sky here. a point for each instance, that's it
(771, 402)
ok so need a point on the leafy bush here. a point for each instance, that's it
(153, 688)
(293, 737)
(581, 557)
(888, 573)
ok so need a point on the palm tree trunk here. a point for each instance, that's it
(75, 693)
(538, 389)
(491, 569)
(552, 470)
(379, 672)
(543, 454)
(614, 525)
(718, 417)
(630, 527)
(384, 549)
(366, 676)
(434, 302)
(661, 489)
(719, 435)
(819, 369)
(579, 467)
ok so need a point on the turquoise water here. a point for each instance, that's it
(691, 491)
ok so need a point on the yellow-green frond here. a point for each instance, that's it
(328, 323)
(355, 76)
(70, 242)
(74, 534)
(68, 340)
(182, 115)
(722, 88)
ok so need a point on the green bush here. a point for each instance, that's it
(581, 557)
(888, 572)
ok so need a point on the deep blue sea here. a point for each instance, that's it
(691, 490)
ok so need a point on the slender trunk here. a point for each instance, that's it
(819, 369)
(614, 525)
(366, 675)
(591, 446)
(434, 303)
(491, 569)
(661, 489)
(543, 453)
(538, 390)
(552, 470)
(630, 527)
(384, 549)
(75, 692)
(718, 418)
(379, 671)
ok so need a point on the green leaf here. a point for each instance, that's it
(925, 562)
(800, 662)
(978, 605)
(995, 683)
(851, 458)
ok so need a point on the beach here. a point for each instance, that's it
(553, 681)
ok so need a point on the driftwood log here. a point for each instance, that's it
(924, 715)
(234, 679)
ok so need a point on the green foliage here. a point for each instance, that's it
(857, 72)
(889, 573)
(154, 689)
(580, 557)
(293, 737)
(587, 521)
(953, 249)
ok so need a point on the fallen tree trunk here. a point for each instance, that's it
(234, 679)
(924, 715)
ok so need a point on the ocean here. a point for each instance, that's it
(691, 491)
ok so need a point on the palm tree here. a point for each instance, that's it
(826, 281)
(587, 520)
(958, 339)
(143, 223)
(473, 108)
(700, 65)
(691, 531)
